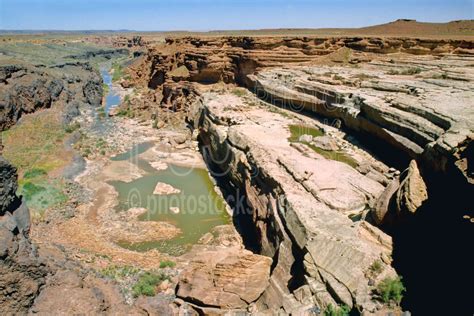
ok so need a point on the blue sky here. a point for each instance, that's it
(221, 14)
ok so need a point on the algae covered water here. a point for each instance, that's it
(195, 210)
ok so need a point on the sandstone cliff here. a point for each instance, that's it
(298, 204)
(230, 59)
(404, 99)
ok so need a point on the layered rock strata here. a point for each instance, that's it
(300, 204)
(405, 99)
(230, 59)
(422, 107)
(419, 105)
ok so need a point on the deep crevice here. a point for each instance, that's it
(241, 217)
(432, 250)
(245, 225)
(297, 270)
(375, 146)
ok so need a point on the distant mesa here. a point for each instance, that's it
(405, 20)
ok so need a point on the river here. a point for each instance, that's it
(195, 210)
(112, 99)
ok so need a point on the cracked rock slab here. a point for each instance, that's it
(227, 278)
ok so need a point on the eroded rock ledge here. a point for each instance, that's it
(299, 204)
(413, 94)
(25, 88)
(411, 98)
(230, 59)
(420, 106)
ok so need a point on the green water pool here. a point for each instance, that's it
(200, 207)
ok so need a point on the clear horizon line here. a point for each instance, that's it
(213, 30)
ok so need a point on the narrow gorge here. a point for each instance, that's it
(382, 104)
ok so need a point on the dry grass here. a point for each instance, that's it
(36, 148)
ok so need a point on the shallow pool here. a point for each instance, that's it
(200, 207)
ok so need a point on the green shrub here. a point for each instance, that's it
(105, 89)
(72, 127)
(34, 172)
(118, 72)
(125, 112)
(100, 143)
(339, 78)
(391, 290)
(146, 284)
(101, 112)
(167, 263)
(376, 267)
(143, 289)
(86, 153)
(30, 189)
(239, 92)
(118, 272)
(337, 311)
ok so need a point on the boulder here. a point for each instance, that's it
(380, 211)
(180, 139)
(8, 185)
(222, 235)
(93, 91)
(22, 218)
(412, 192)
(165, 189)
(227, 278)
(326, 143)
(71, 110)
(305, 138)
(404, 195)
(174, 210)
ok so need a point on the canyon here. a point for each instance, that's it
(336, 165)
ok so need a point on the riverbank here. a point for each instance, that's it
(96, 230)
